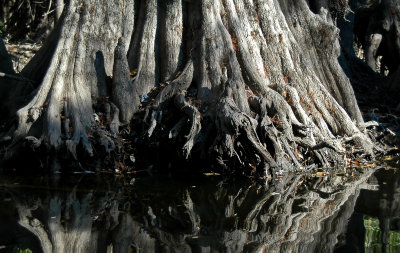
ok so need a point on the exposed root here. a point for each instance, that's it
(280, 139)
(174, 132)
(231, 123)
(177, 86)
(114, 119)
(155, 118)
(195, 118)
(104, 140)
(147, 57)
(123, 92)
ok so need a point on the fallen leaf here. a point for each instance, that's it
(133, 72)
(211, 174)
(122, 166)
(356, 162)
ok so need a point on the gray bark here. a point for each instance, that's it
(259, 72)
(58, 9)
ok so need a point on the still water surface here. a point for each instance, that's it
(92, 213)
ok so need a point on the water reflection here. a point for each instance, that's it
(169, 214)
(375, 224)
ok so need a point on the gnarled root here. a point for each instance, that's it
(195, 117)
(231, 124)
(178, 85)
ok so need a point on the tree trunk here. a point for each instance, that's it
(377, 27)
(377, 35)
(255, 84)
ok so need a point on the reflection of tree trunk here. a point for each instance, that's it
(66, 220)
(62, 226)
(35, 227)
(250, 218)
(326, 239)
(383, 204)
(188, 219)
(276, 222)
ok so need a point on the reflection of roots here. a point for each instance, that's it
(251, 218)
(61, 229)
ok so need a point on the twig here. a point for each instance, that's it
(16, 77)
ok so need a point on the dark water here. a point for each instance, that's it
(374, 225)
(203, 213)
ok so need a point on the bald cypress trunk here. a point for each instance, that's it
(255, 84)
